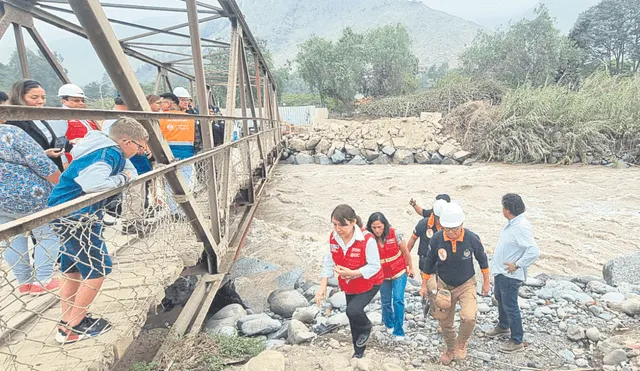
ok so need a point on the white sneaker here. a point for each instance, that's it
(389, 330)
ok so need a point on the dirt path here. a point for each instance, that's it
(582, 215)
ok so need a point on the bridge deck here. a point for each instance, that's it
(141, 270)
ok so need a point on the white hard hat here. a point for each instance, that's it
(181, 92)
(451, 215)
(71, 90)
(437, 207)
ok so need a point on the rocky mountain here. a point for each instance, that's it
(437, 36)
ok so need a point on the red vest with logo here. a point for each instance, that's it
(354, 258)
(76, 129)
(393, 263)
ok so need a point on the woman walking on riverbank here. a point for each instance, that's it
(396, 264)
(355, 259)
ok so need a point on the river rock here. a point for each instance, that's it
(260, 326)
(298, 333)
(371, 145)
(403, 157)
(268, 360)
(306, 315)
(321, 159)
(338, 300)
(370, 155)
(338, 157)
(388, 150)
(303, 159)
(422, 157)
(286, 302)
(339, 319)
(251, 317)
(483, 308)
(593, 334)
(615, 357)
(447, 150)
(622, 269)
(599, 288)
(613, 297)
(231, 310)
(575, 333)
(375, 318)
(631, 307)
(351, 150)
(436, 159)
(358, 160)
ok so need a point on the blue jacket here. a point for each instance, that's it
(98, 166)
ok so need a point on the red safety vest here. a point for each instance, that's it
(76, 129)
(393, 263)
(354, 258)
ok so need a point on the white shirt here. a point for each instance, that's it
(372, 255)
(516, 245)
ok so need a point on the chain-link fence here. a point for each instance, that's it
(138, 238)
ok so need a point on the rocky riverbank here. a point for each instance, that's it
(584, 321)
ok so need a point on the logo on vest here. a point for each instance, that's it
(442, 254)
(169, 127)
(391, 240)
(429, 233)
(467, 254)
(334, 247)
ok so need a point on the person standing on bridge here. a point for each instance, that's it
(354, 257)
(101, 163)
(396, 263)
(450, 259)
(516, 251)
(180, 134)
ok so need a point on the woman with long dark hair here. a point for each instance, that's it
(31, 93)
(354, 258)
(396, 265)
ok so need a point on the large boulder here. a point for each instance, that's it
(622, 269)
(321, 159)
(297, 144)
(371, 145)
(403, 157)
(260, 326)
(303, 159)
(306, 315)
(338, 157)
(286, 302)
(311, 144)
(423, 157)
(432, 147)
(447, 150)
(436, 159)
(370, 155)
(358, 160)
(388, 150)
(338, 300)
(631, 307)
(323, 146)
(381, 160)
(449, 161)
(460, 156)
(223, 322)
(351, 150)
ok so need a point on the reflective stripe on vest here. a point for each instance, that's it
(354, 258)
(393, 263)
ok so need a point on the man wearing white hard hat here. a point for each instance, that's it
(72, 97)
(450, 259)
(184, 97)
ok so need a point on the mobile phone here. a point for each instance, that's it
(60, 143)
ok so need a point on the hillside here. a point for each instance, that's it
(437, 36)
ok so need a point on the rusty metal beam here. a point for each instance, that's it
(205, 126)
(249, 88)
(48, 54)
(159, 51)
(95, 22)
(170, 28)
(22, 50)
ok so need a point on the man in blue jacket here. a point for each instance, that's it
(101, 163)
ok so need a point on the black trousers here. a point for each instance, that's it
(358, 320)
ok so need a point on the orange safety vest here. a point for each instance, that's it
(393, 263)
(354, 258)
(180, 134)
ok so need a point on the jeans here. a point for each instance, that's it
(506, 291)
(392, 296)
(17, 253)
(189, 177)
(358, 320)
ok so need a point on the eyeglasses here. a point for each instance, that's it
(140, 146)
(452, 229)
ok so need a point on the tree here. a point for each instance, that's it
(530, 52)
(39, 69)
(379, 63)
(609, 33)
